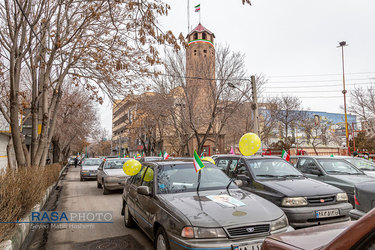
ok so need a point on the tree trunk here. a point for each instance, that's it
(56, 151)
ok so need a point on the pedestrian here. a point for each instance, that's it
(75, 162)
(355, 154)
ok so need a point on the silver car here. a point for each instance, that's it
(366, 166)
(110, 175)
(89, 168)
(180, 209)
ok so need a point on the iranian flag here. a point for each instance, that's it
(198, 164)
(165, 156)
(197, 8)
(285, 155)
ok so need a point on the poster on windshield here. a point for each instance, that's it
(226, 200)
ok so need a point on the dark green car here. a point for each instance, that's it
(334, 171)
(177, 211)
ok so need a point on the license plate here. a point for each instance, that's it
(256, 246)
(327, 213)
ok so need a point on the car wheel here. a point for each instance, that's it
(161, 240)
(128, 218)
(105, 190)
(98, 185)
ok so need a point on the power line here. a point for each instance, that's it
(317, 75)
(308, 97)
(359, 79)
(317, 86)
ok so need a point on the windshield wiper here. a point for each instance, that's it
(367, 169)
(292, 175)
(267, 175)
(339, 172)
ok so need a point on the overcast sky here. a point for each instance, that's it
(293, 38)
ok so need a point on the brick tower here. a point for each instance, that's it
(200, 66)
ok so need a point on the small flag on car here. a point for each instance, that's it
(198, 164)
(285, 155)
(165, 156)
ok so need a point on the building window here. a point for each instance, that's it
(195, 36)
(205, 52)
(204, 36)
(195, 52)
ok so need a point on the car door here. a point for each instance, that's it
(309, 166)
(100, 172)
(145, 206)
(222, 163)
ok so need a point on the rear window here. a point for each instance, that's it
(91, 162)
(115, 164)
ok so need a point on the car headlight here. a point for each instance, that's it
(203, 232)
(293, 202)
(279, 223)
(341, 197)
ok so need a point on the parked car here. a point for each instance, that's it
(355, 235)
(177, 212)
(366, 166)
(364, 199)
(71, 160)
(151, 158)
(89, 168)
(110, 175)
(305, 201)
(334, 171)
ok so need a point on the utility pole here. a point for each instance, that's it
(254, 105)
(342, 45)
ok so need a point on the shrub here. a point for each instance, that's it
(20, 190)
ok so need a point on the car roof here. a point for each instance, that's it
(319, 156)
(248, 157)
(112, 159)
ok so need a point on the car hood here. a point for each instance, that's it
(90, 167)
(205, 209)
(115, 172)
(312, 237)
(370, 173)
(353, 179)
(301, 187)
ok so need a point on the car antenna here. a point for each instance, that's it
(199, 181)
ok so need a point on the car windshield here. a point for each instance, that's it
(336, 166)
(183, 178)
(362, 164)
(91, 162)
(115, 164)
(273, 168)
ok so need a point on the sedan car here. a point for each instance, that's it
(366, 166)
(181, 209)
(89, 168)
(110, 175)
(364, 199)
(305, 201)
(359, 235)
(334, 171)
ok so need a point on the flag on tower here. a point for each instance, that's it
(197, 8)
(285, 155)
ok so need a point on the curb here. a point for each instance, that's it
(21, 231)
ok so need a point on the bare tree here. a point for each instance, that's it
(107, 45)
(289, 113)
(317, 131)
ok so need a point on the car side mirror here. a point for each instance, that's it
(143, 190)
(243, 178)
(239, 183)
(316, 172)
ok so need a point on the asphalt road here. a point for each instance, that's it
(74, 195)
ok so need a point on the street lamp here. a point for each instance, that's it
(342, 45)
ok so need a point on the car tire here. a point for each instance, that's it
(105, 190)
(161, 240)
(98, 185)
(128, 218)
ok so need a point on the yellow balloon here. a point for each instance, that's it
(209, 159)
(249, 144)
(132, 167)
(149, 176)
